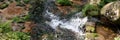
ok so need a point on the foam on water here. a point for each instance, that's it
(74, 23)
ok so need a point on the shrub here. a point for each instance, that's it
(64, 2)
(90, 10)
(6, 33)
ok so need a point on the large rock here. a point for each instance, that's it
(111, 10)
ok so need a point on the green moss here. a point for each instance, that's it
(64, 2)
(90, 28)
(91, 35)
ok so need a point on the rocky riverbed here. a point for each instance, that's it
(59, 19)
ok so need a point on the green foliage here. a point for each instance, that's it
(18, 19)
(6, 32)
(5, 27)
(14, 36)
(26, 1)
(103, 2)
(2, 6)
(64, 2)
(90, 10)
(21, 19)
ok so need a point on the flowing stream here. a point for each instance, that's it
(75, 23)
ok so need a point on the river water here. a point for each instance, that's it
(75, 23)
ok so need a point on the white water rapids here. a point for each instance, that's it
(74, 24)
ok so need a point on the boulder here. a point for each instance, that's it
(111, 10)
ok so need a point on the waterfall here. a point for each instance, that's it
(75, 23)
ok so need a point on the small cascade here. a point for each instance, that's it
(75, 23)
